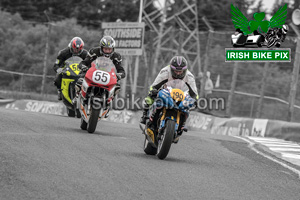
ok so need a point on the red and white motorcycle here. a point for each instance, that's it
(97, 93)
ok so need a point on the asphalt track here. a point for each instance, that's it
(48, 157)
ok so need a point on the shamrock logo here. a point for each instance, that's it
(241, 22)
(258, 23)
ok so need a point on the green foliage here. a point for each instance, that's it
(23, 47)
(218, 13)
(87, 12)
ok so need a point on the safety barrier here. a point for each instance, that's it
(6, 101)
(38, 106)
(58, 108)
(235, 126)
(246, 127)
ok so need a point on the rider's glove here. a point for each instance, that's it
(84, 68)
(195, 104)
(118, 76)
(59, 70)
(153, 93)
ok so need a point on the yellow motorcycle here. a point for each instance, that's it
(70, 75)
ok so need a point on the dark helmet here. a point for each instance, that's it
(178, 66)
(107, 42)
(76, 45)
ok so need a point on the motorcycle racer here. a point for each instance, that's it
(106, 49)
(177, 69)
(278, 32)
(75, 48)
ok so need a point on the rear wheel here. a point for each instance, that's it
(93, 120)
(148, 148)
(271, 42)
(164, 144)
(71, 113)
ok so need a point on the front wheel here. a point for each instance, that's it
(93, 120)
(164, 144)
(148, 148)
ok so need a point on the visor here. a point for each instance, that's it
(178, 68)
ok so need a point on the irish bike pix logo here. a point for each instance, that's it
(258, 40)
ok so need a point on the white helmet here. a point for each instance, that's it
(285, 28)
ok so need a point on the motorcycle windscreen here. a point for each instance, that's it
(179, 89)
(104, 64)
(73, 63)
(177, 84)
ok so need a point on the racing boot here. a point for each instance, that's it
(107, 114)
(183, 129)
(78, 85)
(144, 116)
(151, 130)
(59, 95)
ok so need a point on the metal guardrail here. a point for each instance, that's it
(24, 74)
(256, 95)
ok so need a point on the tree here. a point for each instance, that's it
(87, 12)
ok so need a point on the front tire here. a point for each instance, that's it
(83, 124)
(164, 144)
(71, 113)
(93, 120)
(148, 148)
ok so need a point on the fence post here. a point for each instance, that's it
(135, 75)
(46, 55)
(124, 81)
(262, 90)
(205, 66)
(210, 31)
(22, 82)
(232, 89)
(181, 35)
(137, 59)
(294, 82)
(160, 36)
(252, 106)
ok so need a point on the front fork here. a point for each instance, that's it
(91, 96)
(163, 120)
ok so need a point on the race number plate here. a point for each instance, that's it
(101, 77)
(177, 95)
(75, 68)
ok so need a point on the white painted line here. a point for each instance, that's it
(282, 145)
(285, 149)
(274, 142)
(265, 139)
(251, 146)
(289, 155)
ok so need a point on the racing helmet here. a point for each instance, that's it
(107, 46)
(76, 45)
(285, 28)
(178, 65)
